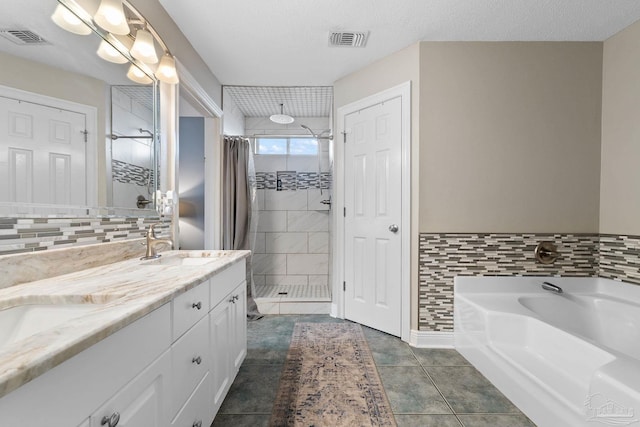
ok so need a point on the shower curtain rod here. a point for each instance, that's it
(284, 136)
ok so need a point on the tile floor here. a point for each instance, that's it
(426, 387)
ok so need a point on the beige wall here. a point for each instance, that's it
(510, 137)
(39, 78)
(391, 71)
(620, 179)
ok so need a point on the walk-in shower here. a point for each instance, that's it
(291, 255)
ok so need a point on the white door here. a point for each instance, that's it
(373, 204)
(42, 154)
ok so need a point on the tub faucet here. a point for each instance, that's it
(551, 287)
(152, 241)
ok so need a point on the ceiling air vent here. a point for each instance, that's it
(348, 39)
(23, 37)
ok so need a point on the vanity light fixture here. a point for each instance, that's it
(109, 53)
(68, 21)
(143, 48)
(110, 16)
(135, 74)
(166, 71)
(117, 17)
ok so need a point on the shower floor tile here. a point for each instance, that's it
(300, 292)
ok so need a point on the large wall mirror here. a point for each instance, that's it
(75, 132)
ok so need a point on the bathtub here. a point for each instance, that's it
(570, 359)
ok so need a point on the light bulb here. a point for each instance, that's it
(137, 75)
(68, 21)
(143, 48)
(166, 71)
(110, 53)
(110, 16)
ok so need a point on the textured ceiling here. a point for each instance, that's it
(262, 101)
(285, 42)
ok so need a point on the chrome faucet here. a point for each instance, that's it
(152, 241)
(551, 287)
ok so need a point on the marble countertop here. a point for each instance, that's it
(118, 293)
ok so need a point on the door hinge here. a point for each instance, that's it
(344, 211)
(344, 137)
(344, 286)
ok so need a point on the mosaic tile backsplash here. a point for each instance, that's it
(20, 235)
(444, 256)
(619, 258)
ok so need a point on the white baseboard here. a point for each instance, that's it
(429, 339)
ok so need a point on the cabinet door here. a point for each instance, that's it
(239, 326)
(142, 402)
(220, 323)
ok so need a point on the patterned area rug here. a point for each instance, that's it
(330, 379)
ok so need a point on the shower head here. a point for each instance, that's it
(308, 130)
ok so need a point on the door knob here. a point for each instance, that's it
(393, 228)
(111, 421)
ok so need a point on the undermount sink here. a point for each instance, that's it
(185, 258)
(22, 321)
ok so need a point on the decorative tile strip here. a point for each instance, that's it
(307, 180)
(266, 180)
(444, 256)
(19, 235)
(286, 181)
(620, 257)
(128, 173)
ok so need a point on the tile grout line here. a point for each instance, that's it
(436, 387)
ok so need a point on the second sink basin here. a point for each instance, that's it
(186, 258)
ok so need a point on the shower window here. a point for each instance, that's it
(290, 146)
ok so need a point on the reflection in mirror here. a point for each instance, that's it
(133, 153)
(56, 70)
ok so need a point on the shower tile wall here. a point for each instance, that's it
(292, 243)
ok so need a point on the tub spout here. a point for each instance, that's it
(551, 287)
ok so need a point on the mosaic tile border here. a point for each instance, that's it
(21, 235)
(128, 173)
(442, 256)
(619, 258)
(292, 180)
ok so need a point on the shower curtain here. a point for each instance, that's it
(239, 207)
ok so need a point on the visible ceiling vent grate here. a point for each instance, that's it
(348, 39)
(23, 37)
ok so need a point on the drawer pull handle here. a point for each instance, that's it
(111, 421)
(197, 423)
(197, 305)
(197, 360)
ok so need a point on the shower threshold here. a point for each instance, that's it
(285, 299)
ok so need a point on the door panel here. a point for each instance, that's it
(42, 154)
(373, 203)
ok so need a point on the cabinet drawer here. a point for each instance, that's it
(226, 281)
(190, 358)
(190, 307)
(197, 411)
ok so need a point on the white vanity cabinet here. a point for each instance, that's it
(228, 326)
(162, 370)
